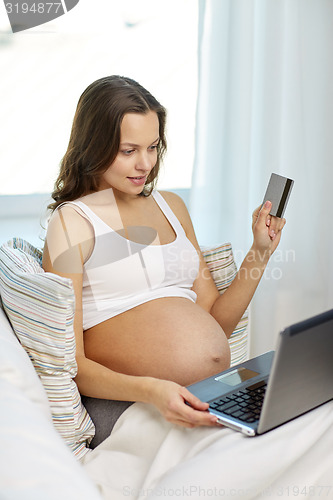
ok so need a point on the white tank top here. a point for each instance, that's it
(121, 274)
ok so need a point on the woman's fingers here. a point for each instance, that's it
(179, 406)
(262, 218)
(261, 215)
(195, 412)
(193, 400)
(276, 225)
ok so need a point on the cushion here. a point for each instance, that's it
(220, 261)
(40, 307)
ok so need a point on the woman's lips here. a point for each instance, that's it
(138, 181)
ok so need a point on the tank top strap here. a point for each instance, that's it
(178, 228)
(98, 225)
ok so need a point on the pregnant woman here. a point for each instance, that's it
(148, 317)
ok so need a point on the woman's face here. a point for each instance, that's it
(137, 155)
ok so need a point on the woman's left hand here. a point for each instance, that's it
(266, 229)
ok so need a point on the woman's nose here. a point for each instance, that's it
(144, 162)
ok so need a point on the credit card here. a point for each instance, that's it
(278, 192)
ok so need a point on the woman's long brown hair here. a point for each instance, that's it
(95, 136)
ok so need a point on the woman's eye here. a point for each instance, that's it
(127, 151)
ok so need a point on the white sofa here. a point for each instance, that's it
(35, 462)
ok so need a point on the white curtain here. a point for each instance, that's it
(265, 105)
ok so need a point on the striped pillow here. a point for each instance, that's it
(40, 307)
(220, 261)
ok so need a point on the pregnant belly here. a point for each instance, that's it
(170, 338)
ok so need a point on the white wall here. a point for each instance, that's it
(23, 216)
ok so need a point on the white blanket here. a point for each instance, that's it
(147, 458)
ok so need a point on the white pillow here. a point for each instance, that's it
(35, 462)
(40, 307)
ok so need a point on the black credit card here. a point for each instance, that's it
(278, 192)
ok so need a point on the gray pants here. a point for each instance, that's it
(104, 413)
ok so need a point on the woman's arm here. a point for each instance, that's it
(229, 307)
(69, 242)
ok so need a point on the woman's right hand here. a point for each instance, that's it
(266, 230)
(170, 399)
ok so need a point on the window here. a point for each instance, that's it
(45, 69)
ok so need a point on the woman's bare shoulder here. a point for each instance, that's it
(69, 229)
(178, 206)
(175, 201)
(69, 218)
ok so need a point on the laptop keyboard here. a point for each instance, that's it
(244, 404)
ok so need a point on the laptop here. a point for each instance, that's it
(262, 393)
